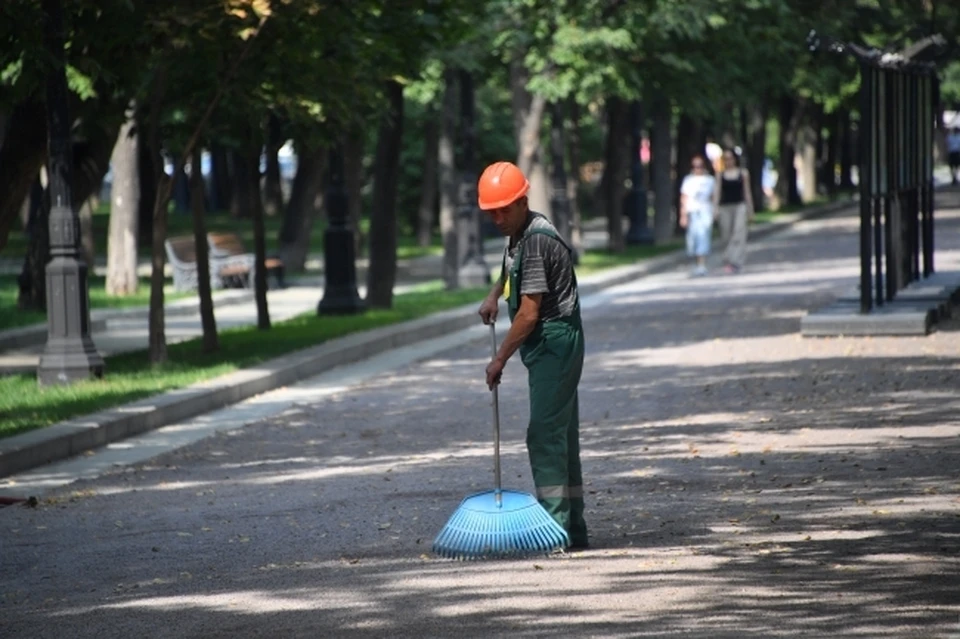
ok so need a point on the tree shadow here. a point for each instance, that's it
(741, 482)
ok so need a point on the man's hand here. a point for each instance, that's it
(494, 371)
(489, 309)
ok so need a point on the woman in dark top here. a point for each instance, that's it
(733, 202)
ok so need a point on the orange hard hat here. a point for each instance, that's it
(501, 184)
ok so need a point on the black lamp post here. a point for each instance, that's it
(70, 354)
(559, 200)
(472, 270)
(635, 206)
(340, 296)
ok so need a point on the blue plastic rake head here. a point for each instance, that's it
(499, 523)
(484, 527)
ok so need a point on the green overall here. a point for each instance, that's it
(553, 355)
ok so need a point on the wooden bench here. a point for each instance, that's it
(182, 257)
(233, 264)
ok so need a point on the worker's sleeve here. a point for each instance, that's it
(534, 275)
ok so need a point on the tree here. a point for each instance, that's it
(383, 219)
(122, 253)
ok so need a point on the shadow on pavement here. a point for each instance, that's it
(741, 482)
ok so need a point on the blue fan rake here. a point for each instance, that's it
(499, 523)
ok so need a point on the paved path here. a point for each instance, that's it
(742, 482)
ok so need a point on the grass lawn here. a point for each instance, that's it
(25, 406)
(13, 317)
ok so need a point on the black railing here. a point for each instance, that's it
(898, 95)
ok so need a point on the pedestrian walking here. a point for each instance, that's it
(540, 287)
(953, 153)
(696, 212)
(734, 206)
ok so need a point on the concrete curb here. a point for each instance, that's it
(66, 439)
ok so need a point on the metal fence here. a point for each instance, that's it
(898, 107)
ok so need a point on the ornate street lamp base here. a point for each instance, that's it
(636, 209)
(66, 362)
(70, 354)
(640, 236)
(340, 296)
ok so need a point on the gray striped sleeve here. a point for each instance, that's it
(534, 277)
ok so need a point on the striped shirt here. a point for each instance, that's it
(547, 269)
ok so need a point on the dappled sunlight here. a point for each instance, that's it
(739, 481)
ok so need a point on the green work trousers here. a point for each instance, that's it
(553, 356)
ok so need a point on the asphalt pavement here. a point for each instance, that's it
(742, 481)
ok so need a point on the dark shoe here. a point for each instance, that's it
(579, 544)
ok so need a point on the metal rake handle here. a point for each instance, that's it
(496, 421)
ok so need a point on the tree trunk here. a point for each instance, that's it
(23, 152)
(383, 218)
(353, 152)
(559, 202)
(25, 214)
(787, 191)
(755, 140)
(573, 177)
(447, 170)
(428, 186)
(845, 151)
(181, 190)
(91, 163)
(614, 170)
(301, 210)
(32, 280)
(808, 144)
(661, 147)
(528, 112)
(251, 205)
(272, 191)
(157, 322)
(88, 246)
(259, 242)
(211, 341)
(243, 187)
(122, 253)
(828, 172)
(220, 184)
(146, 172)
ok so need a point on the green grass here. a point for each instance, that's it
(13, 317)
(25, 406)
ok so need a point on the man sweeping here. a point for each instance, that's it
(540, 287)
